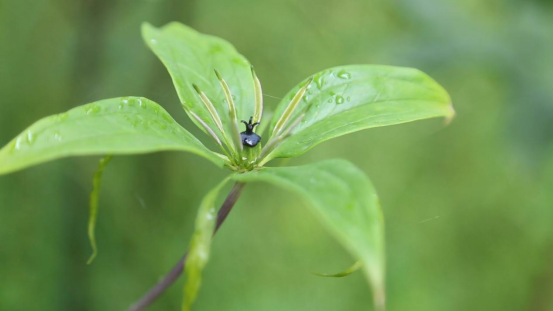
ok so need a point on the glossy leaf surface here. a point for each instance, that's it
(346, 99)
(126, 125)
(191, 58)
(345, 201)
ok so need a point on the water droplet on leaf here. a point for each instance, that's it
(344, 75)
(92, 109)
(31, 138)
(319, 81)
(62, 116)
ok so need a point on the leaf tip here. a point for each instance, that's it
(196, 88)
(450, 114)
(218, 75)
(356, 266)
(308, 81)
(91, 259)
(146, 27)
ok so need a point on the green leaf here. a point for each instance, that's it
(94, 198)
(192, 57)
(198, 253)
(346, 99)
(346, 202)
(124, 125)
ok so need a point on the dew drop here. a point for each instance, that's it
(17, 145)
(31, 138)
(57, 136)
(62, 116)
(92, 109)
(348, 98)
(319, 81)
(330, 100)
(344, 75)
(339, 99)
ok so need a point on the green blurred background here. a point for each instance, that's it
(468, 207)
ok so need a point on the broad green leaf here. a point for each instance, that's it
(346, 202)
(124, 125)
(346, 99)
(198, 253)
(192, 58)
(94, 198)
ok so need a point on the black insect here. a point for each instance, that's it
(249, 138)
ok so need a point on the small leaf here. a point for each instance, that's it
(356, 266)
(126, 125)
(346, 202)
(94, 197)
(192, 57)
(200, 245)
(346, 99)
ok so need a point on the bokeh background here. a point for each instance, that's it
(468, 207)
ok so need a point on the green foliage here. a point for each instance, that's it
(200, 246)
(346, 99)
(93, 209)
(216, 87)
(192, 58)
(346, 203)
(125, 125)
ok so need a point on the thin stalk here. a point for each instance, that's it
(274, 142)
(211, 133)
(177, 270)
(214, 115)
(287, 114)
(258, 112)
(232, 113)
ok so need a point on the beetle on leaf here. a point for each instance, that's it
(329, 104)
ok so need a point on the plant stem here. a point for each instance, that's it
(174, 274)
